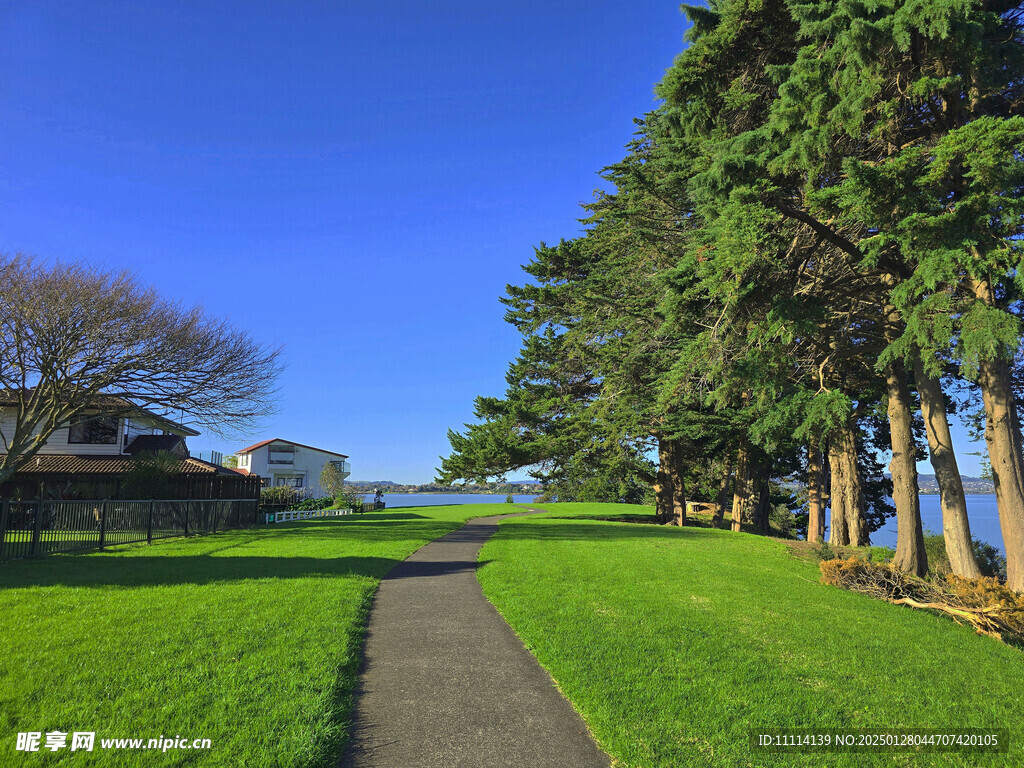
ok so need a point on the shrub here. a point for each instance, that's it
(150, 476)
(935, 549)
(783, 521)
(349, 500)
(509, 499)
(881, 554)
(279, 494)
(311, 504)
(331, 479)
(991, 561)
(824, 551)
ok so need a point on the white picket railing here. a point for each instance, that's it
(307, 514)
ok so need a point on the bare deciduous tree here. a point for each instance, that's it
(75, 339)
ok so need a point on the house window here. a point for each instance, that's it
(93, 430)
(290, 482)
(281, 454)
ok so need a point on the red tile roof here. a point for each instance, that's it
(290, 442)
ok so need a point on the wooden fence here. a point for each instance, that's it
(85, 485)
(37, 528)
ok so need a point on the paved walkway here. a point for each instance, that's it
(446, 682)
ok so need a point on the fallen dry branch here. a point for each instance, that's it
(983, 620)
(985, 604)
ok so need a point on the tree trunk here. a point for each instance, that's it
(1003, 438)
(676, 471)
(856, 520)
(763, 486)
(910, 555)
(839, 534)
(815, 502)
(663, 490)
(849, 526)
(1004, 441)
(741, 488)
(956, 528)
(723, 494)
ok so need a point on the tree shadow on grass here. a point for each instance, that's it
(203, 569)
(275, 551)
(255, 553)
(197, 569)
(356, 530)
(278, 553)
(414, 569)
(384, 516)
(595, 529)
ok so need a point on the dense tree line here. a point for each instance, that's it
(809, 254)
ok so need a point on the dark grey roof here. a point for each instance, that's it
(155, 443)
(97, 465)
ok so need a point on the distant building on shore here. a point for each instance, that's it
(290, 464)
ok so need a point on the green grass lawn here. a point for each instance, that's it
(248, 638)
(676, 644)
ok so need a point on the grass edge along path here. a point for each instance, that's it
(677, 644)
(249, 638)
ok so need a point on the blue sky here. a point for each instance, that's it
(354, 181)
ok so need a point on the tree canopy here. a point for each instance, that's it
(75, 339)
(810, 247)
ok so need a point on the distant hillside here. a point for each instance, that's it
(392, 482)
(368, 486)
(928, 484)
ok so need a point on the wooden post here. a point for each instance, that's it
(103, 524)
(37, 526)
(187, 505)
(5, 511)
(149, 525)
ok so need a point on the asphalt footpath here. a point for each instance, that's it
(446, 682)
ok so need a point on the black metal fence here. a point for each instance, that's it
(37, 528)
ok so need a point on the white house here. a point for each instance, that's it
(283, 462)
(119, 429)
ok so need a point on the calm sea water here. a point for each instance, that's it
(442, 499)
(981, 511)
